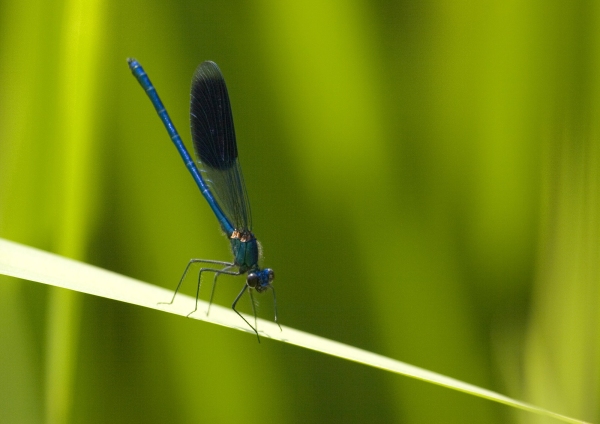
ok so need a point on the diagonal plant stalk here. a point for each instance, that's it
(20, 261)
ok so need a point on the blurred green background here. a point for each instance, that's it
(424, 181)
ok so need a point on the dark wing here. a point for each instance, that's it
(214, 142)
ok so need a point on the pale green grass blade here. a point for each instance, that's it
(27, 263)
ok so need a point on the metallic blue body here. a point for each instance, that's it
(224, 189)
(142, 77)
(245, 250)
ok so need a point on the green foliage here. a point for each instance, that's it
(423, 178)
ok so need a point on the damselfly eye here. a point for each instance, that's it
(252, 280)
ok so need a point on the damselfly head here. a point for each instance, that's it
(260, 280)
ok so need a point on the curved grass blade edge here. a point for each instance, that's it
(28, 263)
